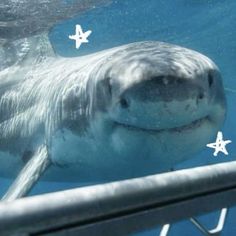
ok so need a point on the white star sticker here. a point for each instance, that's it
(79, 36)
(219, 145)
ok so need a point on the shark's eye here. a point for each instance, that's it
(124, 103)
(210, 79)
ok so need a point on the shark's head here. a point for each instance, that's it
(162, 103)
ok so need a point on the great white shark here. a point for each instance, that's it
(132, 110)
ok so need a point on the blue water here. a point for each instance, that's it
(207, 26)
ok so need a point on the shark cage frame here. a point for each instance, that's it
(126, 207)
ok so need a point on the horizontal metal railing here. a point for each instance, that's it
(123, 207)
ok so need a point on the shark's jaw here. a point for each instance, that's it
(166, 135)
(191, 125)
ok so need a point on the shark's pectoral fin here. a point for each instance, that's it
(29, 175)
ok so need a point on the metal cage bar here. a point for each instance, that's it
(123, 207)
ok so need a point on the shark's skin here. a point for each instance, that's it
(129, 111)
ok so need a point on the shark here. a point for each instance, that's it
(128, 111)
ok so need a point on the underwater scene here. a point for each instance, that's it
(96, 91)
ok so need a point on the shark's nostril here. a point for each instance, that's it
(124, 103)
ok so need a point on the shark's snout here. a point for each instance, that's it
(170, 101)
(165, 89)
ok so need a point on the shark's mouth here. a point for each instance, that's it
(191, 126)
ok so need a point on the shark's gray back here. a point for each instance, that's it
(24, 49)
